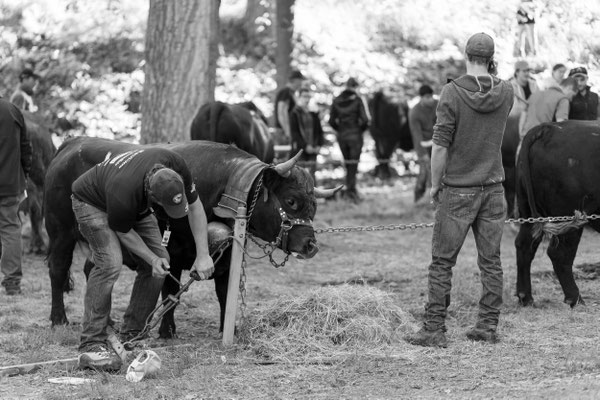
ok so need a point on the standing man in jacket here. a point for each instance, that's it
(15, 163)
(348, 116)
(585, 104)
(467, 176)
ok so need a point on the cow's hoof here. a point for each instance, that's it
(575, 302)
(59, 320)
(525, 300)
(167, 332)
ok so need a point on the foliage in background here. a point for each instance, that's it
(90, 54)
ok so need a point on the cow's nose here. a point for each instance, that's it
(311, 248)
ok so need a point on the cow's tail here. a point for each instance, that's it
(524, 163)
(214, 115)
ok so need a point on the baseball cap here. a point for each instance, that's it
(522, 66)
(296, 74)
(167, 187)
(480, 44)
(578, 71)
(28, 73)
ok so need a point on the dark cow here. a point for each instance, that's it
(558, 173)
(43, 151)
(241, 124)
(390, 130)
(510, 142)
(285, 208)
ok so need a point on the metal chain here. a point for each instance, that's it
(243, 304)
(372, 228)
(268, 249)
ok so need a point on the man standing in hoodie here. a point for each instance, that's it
(348, 116)
(467, 176)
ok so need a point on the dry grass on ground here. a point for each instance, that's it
(548, 351)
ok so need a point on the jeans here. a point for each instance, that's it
(483, 209)
(10, 237)
(351, 149)
(108, 259)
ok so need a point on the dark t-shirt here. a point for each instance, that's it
(116, 185)
(527, 90)
(285, 94)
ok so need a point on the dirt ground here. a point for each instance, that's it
(548, 351)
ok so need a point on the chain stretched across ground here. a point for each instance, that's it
(393, 227)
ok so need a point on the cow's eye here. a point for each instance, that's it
(292, 203)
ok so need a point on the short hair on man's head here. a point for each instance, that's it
(478, 59)
(558, 66)
(569, 82)
(424, 90)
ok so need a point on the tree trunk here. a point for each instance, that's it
(284, 30)
(181, 58)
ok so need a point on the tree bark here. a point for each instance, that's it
(181, 57)
(284, 31)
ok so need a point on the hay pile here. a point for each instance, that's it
(331, 321)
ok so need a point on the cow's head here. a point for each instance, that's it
(286, 207)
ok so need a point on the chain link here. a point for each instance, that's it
(413, 226)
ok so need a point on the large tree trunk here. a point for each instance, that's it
(181, 57)
(284, 30)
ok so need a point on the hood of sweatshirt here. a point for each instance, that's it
(484, 93)
(346, 99)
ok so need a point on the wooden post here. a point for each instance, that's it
(235, 268)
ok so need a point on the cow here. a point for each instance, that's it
(241, 124)
(390, 130)
(510, 142)
(557, 175)
(226, 177)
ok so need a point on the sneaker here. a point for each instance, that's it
(428, 338)
(100, 357)
(482, 335)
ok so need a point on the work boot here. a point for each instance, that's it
(99, 356)
(427, 338)
(480, 334)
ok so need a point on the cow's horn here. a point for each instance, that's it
(326, 193)
(285, 168)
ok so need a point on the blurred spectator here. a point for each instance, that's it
(307, 133)
(23, 95)
(526, 24)
(348, 116)
(523, 86)
(584, 105)
(285, 101)
(421, 119)
(15, 156)
(550, 105)
(558, 74)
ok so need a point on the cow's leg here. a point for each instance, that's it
(36, 245)
(526, 246)
(59, 264)
(562, 256)
(167, 328)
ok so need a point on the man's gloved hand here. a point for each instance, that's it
(160, 267)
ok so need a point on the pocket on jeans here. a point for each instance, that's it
(460, 202)
(498, 204)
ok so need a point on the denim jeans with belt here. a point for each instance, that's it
(108, 260)
(482, 209)
(10, 237)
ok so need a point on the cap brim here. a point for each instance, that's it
(178, 211)
(579, 74)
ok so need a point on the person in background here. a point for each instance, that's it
(585, 104)
(348, 116)
(523, 86)
(558, 74)
(527, 32)
(15, 163)
(307, 132)
(22, 97)
(550, 105)
(466, 187)
(285, 101)
(421, 119)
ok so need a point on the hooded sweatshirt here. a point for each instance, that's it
(348, 115)
(471, 117)
(15, 150)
